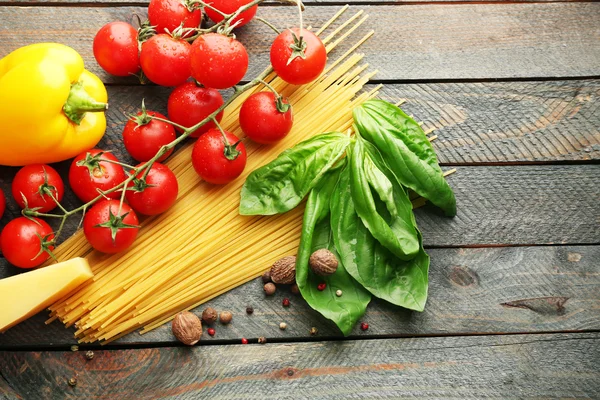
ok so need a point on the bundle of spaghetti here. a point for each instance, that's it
(202, 247)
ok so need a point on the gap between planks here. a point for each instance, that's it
(290, 340)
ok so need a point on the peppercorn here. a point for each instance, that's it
(266, 277)
(282, 326)
(209, 316)
(262, 340)
(295, 289)
(313, 331)
(244, 341)
(211, 331)
(225, 317)
(338, 293)
(285, 302)
(321, 286)
(249, 310)
(270, 288)
(73, 382)
(89, 354)
(74, 348)
(364, 326)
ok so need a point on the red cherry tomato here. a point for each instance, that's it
(21, 243)
(229, 7)
(218, 61)
(157, 194)
(116, 49)
(262, 121)
(2, 203)
(300, 70)
(189, 104)
(35, 182)
(169, 14)
(166, 60)
(211, 162)
(144, 136)
(109, 230)
(88, 174)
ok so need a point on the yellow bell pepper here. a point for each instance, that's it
(51, 108)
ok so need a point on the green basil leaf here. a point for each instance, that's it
(403, 283)
(406, 151)
(281, 185)
(397, 233)
(346, 310)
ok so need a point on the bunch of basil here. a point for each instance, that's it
(358, 207)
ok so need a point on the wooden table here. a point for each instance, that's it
(513, 90)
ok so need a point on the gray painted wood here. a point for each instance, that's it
(501, 367)
(412, 42)
(471, 291)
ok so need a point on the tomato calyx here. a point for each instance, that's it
(46, 189)
(143, 118)
(139, 185)
(46, 245)
(115, 223)
(298, 48)
(92, 163)
(281, 105)
(145, 31)
(230, 151)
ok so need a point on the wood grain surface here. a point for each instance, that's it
(502, 367)
(487, 290)
(416, 42)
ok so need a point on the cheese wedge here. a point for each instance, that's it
(24, 295)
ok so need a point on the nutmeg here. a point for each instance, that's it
(323, 262)
(209, 316)
(284, 270)
(187, 328)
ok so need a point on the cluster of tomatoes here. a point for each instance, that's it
(172, 51)
(109, 225)
(199, 62)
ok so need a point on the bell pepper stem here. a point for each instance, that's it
(79, 102)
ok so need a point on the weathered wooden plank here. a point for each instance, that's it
(413, 42)
(522, 366)
(488, 290)
(521, 205)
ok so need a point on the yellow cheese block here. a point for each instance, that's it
(24, 295)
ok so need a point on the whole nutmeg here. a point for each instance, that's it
(209, 316)
(284, 270)
(225, 317)
(187, 328)
(266, 277)
(270, 288)
(323, 262)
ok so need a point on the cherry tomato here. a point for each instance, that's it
(116, 49)
(166, 60)
(109, 230)
(300, 70)
(157, 194)
(189, 104)
(2, 203)
(218, 61)
(169, 14)
(144, 136)
(88, 174)
(25, 242)
(229, 7)
(262, 121)
(213, 162)
(38, 184)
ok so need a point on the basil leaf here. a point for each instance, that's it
(397, 233)
(281, 185)
(346, 310)
(403, 283)
(406, 150)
